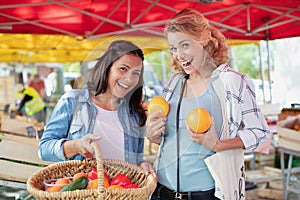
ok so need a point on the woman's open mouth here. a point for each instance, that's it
(186, 64)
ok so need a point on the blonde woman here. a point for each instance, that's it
(199, 55)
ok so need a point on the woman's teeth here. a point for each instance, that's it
(122, 85)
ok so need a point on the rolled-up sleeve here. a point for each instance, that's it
(253, 129)
(51, 143)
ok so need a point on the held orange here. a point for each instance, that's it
(199, 120)
(158, 103)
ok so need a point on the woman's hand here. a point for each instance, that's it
(155, 126)
(208, 139)
(148, 168)
(84, 145)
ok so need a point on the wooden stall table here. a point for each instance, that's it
(18, 159)
(286, 173)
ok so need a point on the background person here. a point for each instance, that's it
(110, 112)
(39, 85)
(33, 103)
(199, 54)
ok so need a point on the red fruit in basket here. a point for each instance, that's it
(132, 185)
(120, 179)
(92, 174)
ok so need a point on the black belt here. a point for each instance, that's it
(163, 192)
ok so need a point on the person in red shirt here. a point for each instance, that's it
(39, 85)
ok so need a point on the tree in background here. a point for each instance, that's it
(155, 59)
(247, 60)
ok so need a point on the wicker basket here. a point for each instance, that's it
(147, 183)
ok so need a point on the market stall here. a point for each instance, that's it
(31, 32)
(19, 139)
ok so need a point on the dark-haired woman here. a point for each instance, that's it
(107, 110)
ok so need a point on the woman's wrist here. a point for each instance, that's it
(155, 140)
(218, 146)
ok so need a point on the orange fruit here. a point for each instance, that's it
(53, 189)
(115, 186)
(106, 181)
(78, 175)
(199, 120)
(63, 181)
(93, 184)
(58, 185)
(158, 103)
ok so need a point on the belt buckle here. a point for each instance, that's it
(178, 195)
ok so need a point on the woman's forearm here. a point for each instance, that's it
(223, 145)
(71, 148)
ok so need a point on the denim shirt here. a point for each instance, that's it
(56, 131)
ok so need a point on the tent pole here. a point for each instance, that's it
(269, 65)
(163, 63)
(261, 71)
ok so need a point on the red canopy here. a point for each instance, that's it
(238, 19)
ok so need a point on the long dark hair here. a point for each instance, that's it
(98, 79)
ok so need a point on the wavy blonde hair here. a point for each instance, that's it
(192, 23)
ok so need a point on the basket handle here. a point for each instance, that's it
(100, 166)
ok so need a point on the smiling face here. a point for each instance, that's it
(186, 51)
(124, 75)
